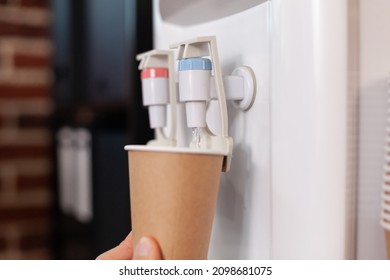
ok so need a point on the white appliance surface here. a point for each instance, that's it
(245, 190)
(290, 193)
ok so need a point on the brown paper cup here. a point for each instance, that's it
(387, 236)
(173, 199)
(387, 222)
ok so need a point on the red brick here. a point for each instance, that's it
(3, 244)
(1, 185)
(37, 242)
(12, 152)
(33, 121)
(34, 3)
(13, 91)
(24, 213)
(25, 182)
(23, 60)
(10, 29)
(34, 241)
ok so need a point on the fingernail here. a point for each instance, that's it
(143, 248)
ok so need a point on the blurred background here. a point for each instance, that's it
(69, 102)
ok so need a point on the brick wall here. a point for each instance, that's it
(25, 107)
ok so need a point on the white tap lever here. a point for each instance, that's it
(194, 89)
(159, 90)
(240, 87)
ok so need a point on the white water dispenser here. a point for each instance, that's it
(292, 188)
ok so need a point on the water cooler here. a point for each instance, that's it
(296, 188)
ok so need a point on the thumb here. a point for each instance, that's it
(147, 248)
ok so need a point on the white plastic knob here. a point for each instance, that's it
(196, 114)
(194, 89)
(155, 95)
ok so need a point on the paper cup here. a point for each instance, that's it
(385, 220)
(385, 214)
(386, 224)
(387, 236)
(173, 195)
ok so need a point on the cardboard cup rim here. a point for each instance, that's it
(168, 149)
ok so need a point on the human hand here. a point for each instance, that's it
(146, 249)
